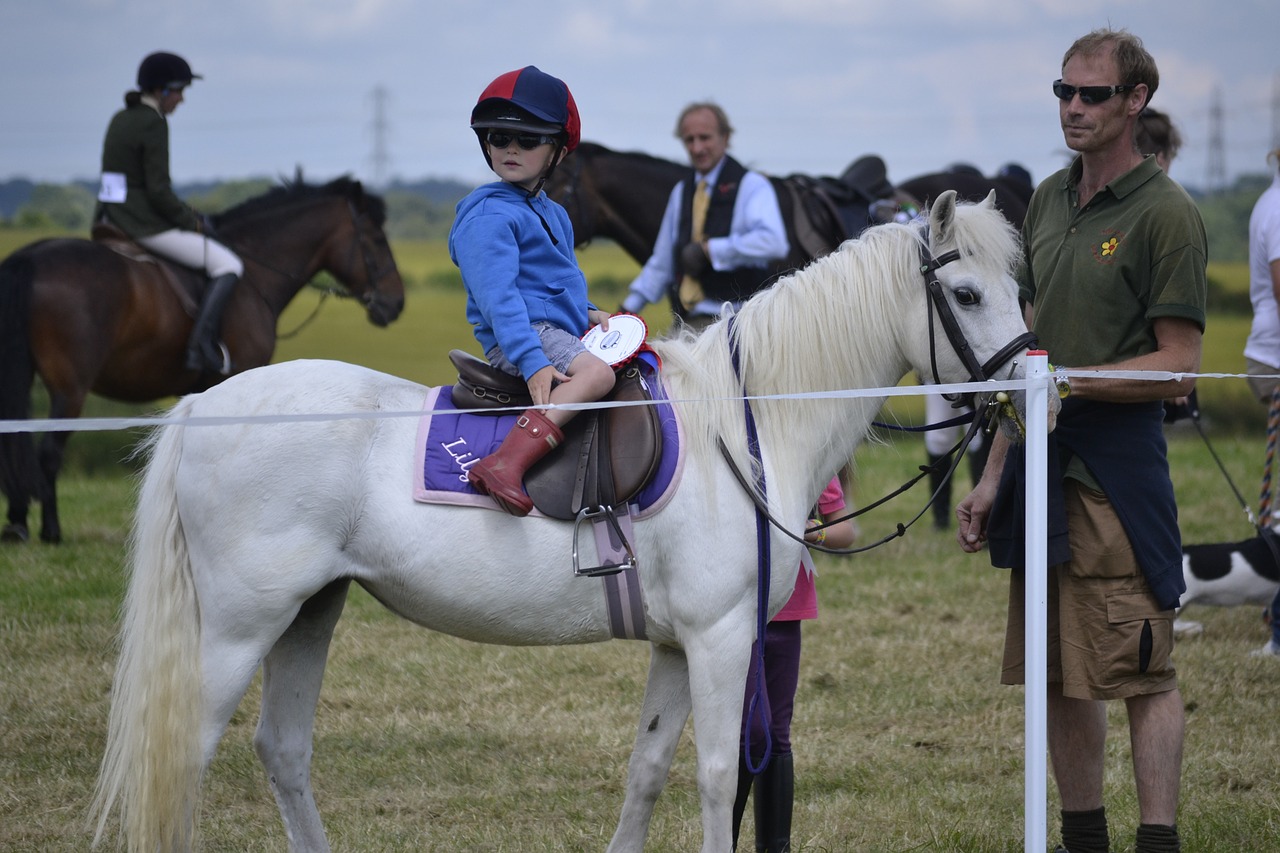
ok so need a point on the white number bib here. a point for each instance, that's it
(113, 189)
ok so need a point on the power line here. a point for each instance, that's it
(380, 160)
(1275, 111)
(1216, 171)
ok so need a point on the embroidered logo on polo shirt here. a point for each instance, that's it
(1105, 251)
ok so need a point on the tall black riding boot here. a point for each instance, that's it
(204, 352)
(939, 483)
(773, 799)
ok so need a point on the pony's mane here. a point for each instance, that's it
(831, 326)
(298, 191)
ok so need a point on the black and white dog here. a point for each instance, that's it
(1227, 574)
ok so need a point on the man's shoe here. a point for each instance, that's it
(1270, 650)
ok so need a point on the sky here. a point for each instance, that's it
(383, 89)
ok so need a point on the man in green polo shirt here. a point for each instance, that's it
(1114, 280)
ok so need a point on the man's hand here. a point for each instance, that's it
(972, 514)
(694, 260)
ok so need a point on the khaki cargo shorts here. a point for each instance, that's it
(1108, 638)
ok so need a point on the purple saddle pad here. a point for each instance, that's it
(451, 440)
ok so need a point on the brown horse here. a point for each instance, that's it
(622, 195)
(89, 316)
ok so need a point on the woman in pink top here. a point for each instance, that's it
(775, 785)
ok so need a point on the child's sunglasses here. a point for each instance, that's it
(1089, 94)
(527, 141)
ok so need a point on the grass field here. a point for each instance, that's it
(904, 741)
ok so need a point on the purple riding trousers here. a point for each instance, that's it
(781, 675)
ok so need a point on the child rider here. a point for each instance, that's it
(526, 296)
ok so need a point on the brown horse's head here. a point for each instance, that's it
(369, 269)
(337, 225)
(616, 195)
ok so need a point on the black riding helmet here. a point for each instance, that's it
(528, 101)
(164, 71)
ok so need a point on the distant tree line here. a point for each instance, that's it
(424, 209)
(415, 210)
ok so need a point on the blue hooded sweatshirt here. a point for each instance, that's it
(515, 274)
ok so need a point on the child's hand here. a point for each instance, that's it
(540, 384)
(597, 317)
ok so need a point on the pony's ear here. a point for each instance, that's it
(990, 200)
(942, 218)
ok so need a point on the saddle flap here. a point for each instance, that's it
(632, 442)
(106, 232)
(188, 287)
(482, 386)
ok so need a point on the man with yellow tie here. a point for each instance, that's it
(722, 235)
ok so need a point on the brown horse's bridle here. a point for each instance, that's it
(572, 202)
(373, 274)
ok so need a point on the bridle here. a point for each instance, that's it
(373, 274)
(936, 302)
(929, 266)
(579, 213)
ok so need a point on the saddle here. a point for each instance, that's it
(826, 211)
(608, 455)
(188, 288)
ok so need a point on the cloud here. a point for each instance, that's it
(324, 20)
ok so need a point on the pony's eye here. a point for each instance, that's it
(967, 296)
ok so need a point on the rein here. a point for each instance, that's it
(955, 454)
(929, 265)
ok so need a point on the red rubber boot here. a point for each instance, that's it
(500, 475)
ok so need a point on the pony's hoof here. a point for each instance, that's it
(15, 533)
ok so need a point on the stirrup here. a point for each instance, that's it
(597, 515)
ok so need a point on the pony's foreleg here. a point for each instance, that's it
(717, 675)
(662, 718)
(291, 678)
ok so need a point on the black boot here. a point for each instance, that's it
(774, 796)
(940, 483)
(204, 351)
(745, 780)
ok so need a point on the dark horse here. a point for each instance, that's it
(622, 195)
(1013, 188)
(104, 317)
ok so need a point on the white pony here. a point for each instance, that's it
(247, 536)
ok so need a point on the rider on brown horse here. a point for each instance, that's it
(137, 197)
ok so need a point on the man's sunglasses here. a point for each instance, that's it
(527, 141)
(1090, 94)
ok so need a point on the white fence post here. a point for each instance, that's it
(1035, 795)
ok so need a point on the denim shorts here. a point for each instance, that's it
(560, 348)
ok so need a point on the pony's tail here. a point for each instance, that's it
(152, 767)
(19, 473)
